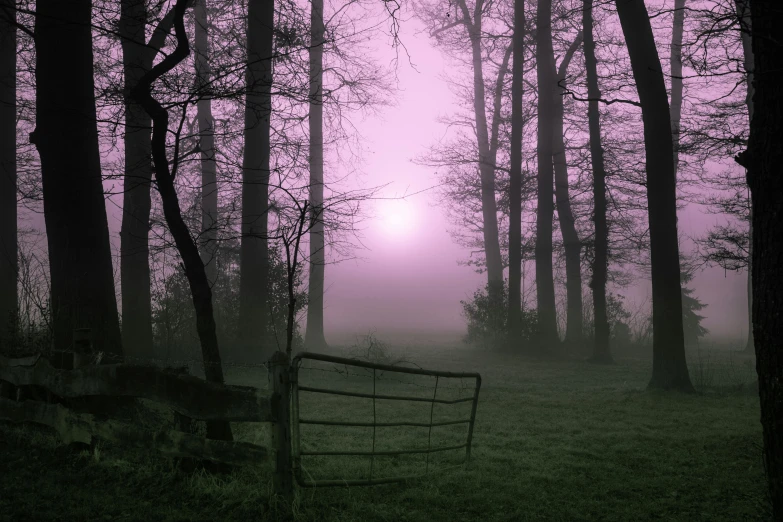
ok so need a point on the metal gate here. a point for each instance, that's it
(296, 421)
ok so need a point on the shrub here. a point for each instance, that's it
(487, 321)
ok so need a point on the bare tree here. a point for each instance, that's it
(8, 218)
(314, 336)
(571, 242)
(601, 242)
(164, 175)
(515, 177)
(670, 370)
(255, 178)
(763, 160)
(66, 136)
(545, 286)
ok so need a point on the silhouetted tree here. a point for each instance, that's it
(515, 177)
(600, 263)
(164, 175)
(8, 239)
(545, 286)
(314, 335)
(254, 268)
(670, 370)
(66, 136)
(571, 242)
(764, 161)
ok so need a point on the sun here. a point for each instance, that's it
(396, 217)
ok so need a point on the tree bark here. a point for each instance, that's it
(676, 75)
(571, 242)
(314, 335)
(743, 12)
(206, 143)
(545, 285)
(66, 135)
(8, 231)
(670, 370)
(515, 177)
(765, 177)
(136, 203)
(487, 155)
(194, 269)
(254, 253)
(601, 351)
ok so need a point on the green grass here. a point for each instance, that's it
(554, 440)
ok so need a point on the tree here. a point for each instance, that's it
(8, 239)
(670, 370)
(206, 142)
(515, 177)
(254, 254)
(134, 233)
(194, 268)
(600, 263)
(691, 320)
(676, 75)
(764, 161)
(545, 285)
(314, 335)
(571, 242)
(66, 137)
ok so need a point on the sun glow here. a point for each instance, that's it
(396, 217)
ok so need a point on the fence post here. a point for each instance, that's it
(279, 377)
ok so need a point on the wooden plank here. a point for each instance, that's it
(74, 427)
(279, 378)
(185, 394)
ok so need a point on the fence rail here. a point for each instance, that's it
(296, 421)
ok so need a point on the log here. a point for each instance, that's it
(76, 427)
(185, 394)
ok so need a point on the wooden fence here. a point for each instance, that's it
(186, 395)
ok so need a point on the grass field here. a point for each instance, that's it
(554, 440)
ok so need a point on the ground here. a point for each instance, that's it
(553, 440)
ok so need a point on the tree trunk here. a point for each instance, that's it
(743, 12)
(601, 351)
(194, 269)
(571, 242)
(487, 158)
(314, 335)
(8, 241)
(136, 203)
(254, 254)
(545, 285)
(765, 177)
(515, 178)
(66, 135)
(676, 74)
(206, 143)
(670, 370)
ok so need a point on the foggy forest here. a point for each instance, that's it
(421, 260)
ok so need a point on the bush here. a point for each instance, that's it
(487, 321)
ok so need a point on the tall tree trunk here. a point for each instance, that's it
(194, 269)
(254, 254)
(743, 12)
(66, 135)
(571, 242)
(670, 370)
(765, 177)
(136, 203)
(314, 335)
(206, 142)
(515, 178)
(487, 155)
(676, 74)
(545, 285)
(601, 351)
(8, 240)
